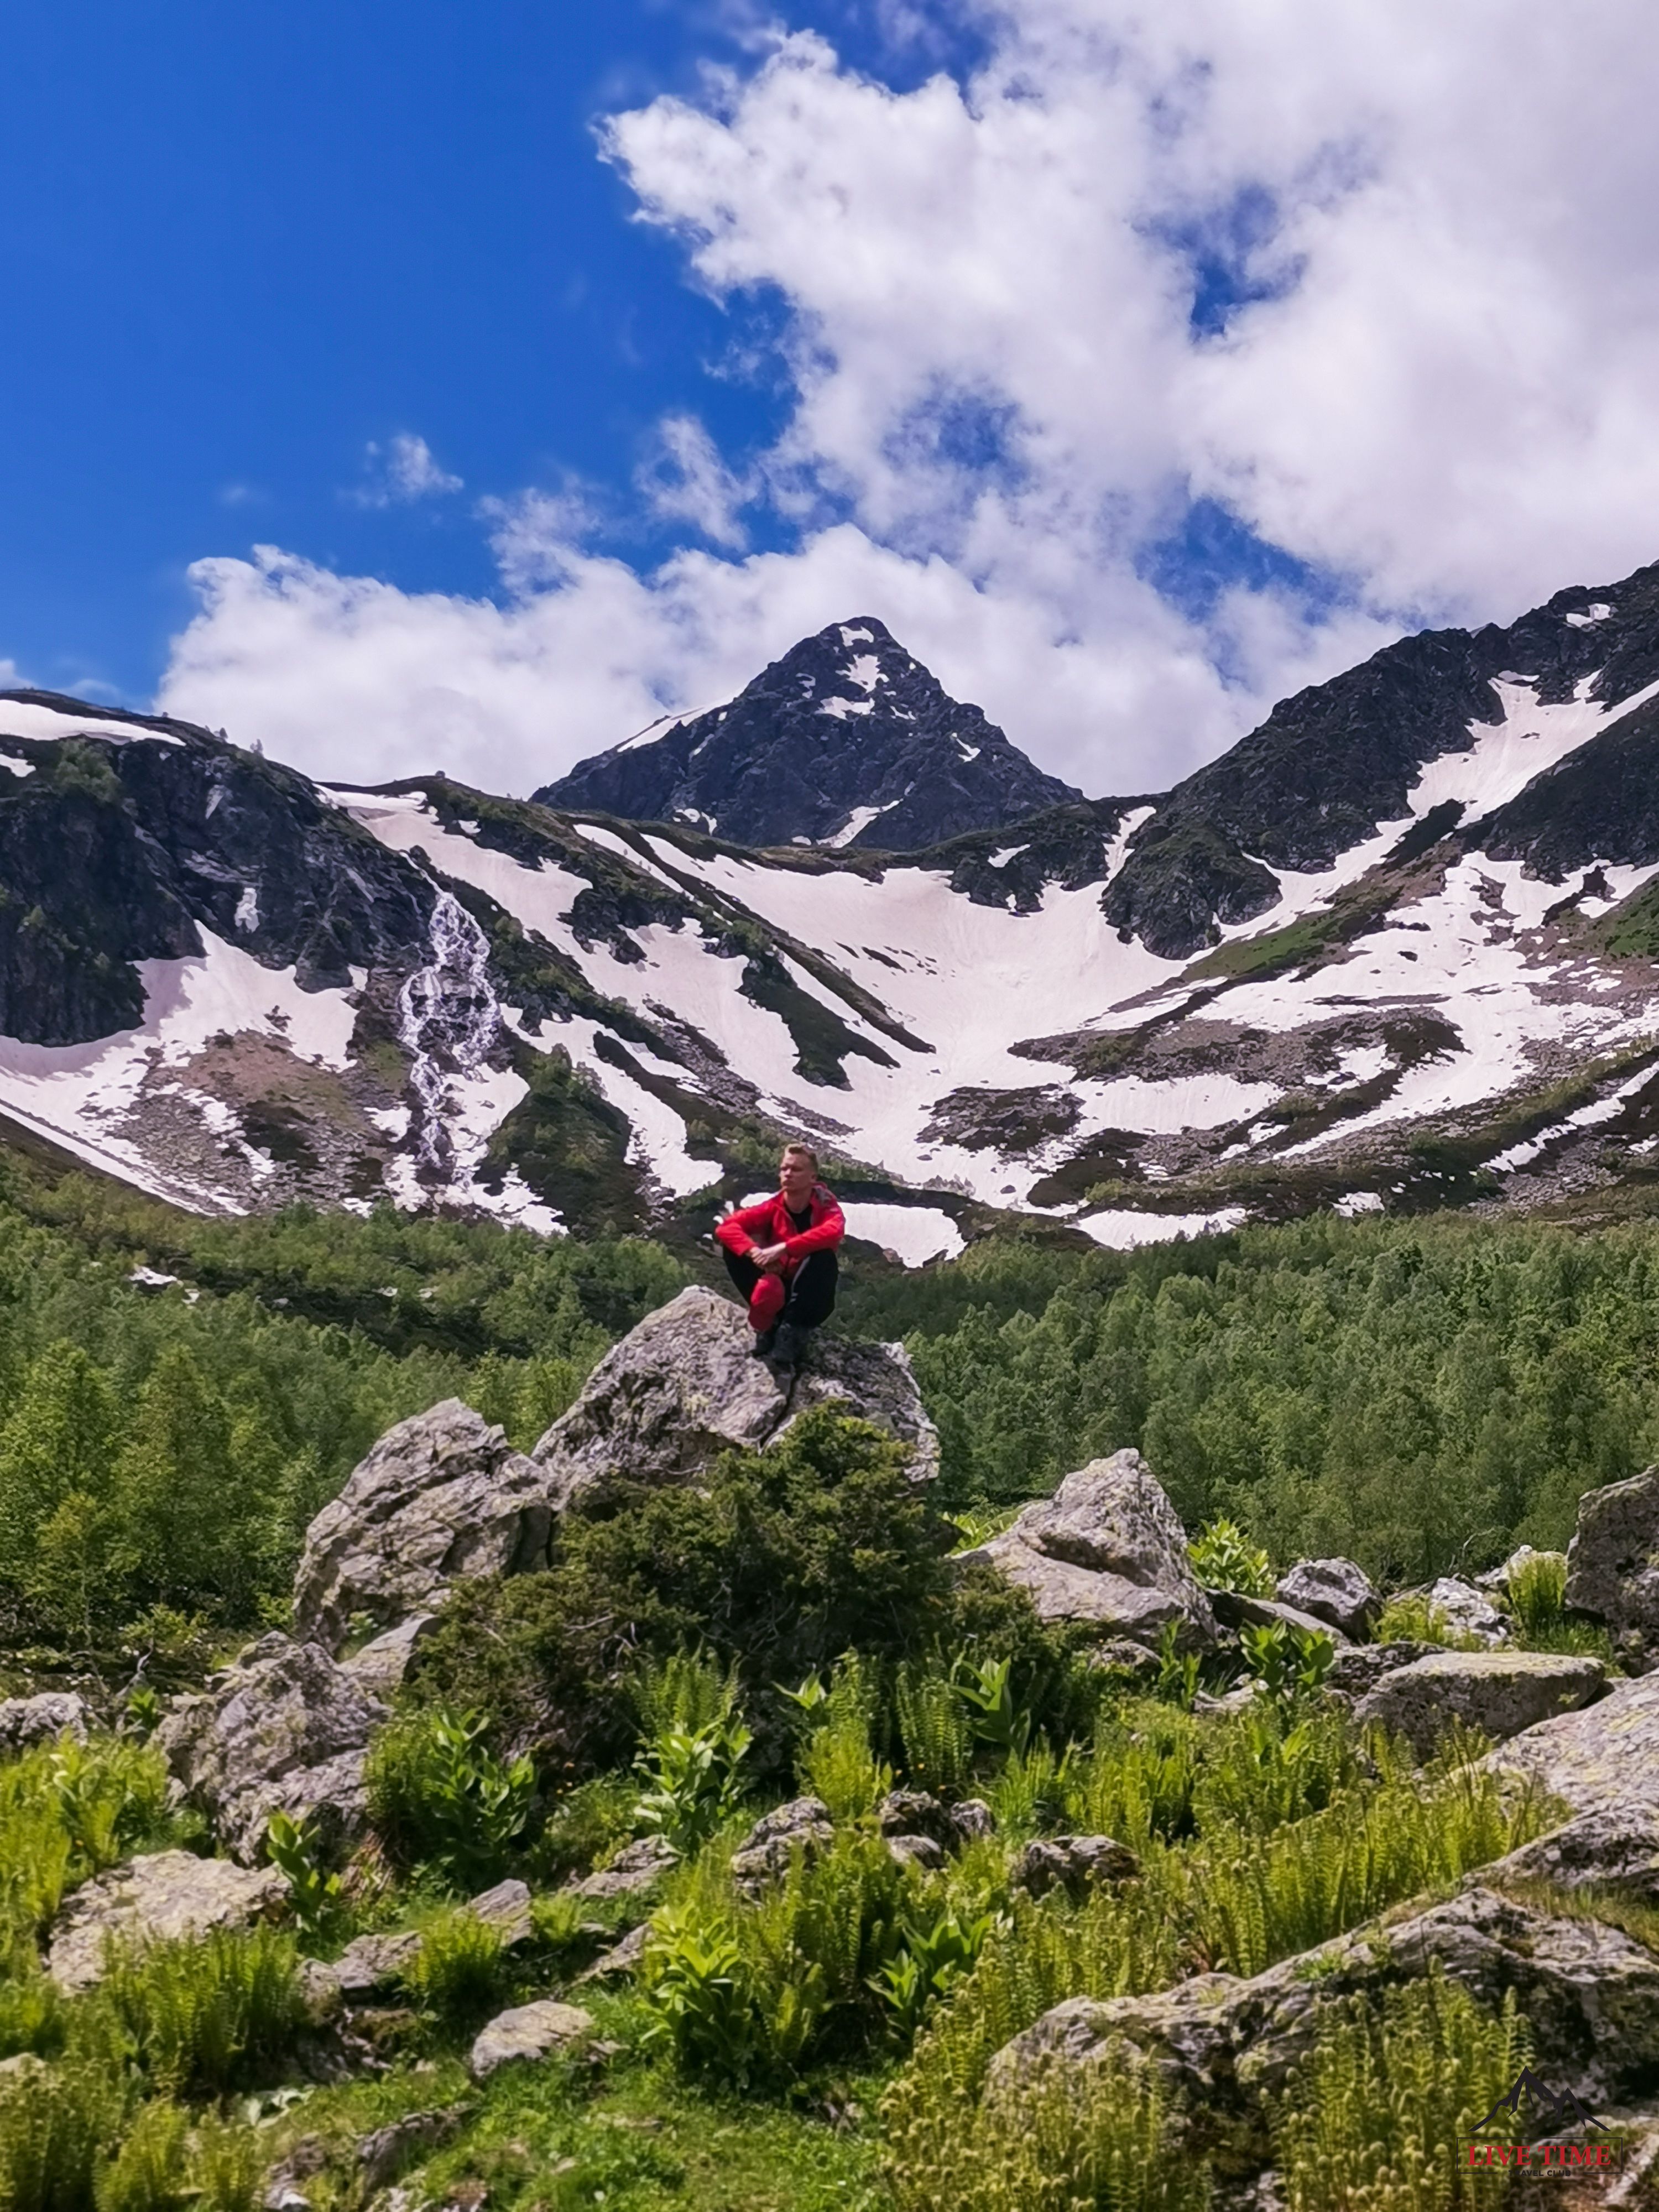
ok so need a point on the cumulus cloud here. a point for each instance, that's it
(1375, 283)
(401, 472)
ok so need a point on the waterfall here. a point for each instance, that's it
(448, 1018)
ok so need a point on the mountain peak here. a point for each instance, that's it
(848, 740)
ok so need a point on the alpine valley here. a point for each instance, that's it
(1398, 949)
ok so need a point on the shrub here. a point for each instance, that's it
(1288, 1661)
(1414, 1620)
(55, 2123)
(439, 1796)
(1223, 1558)
(697, 1740)
(202, 2015)
(31, 2006)
(1537, 1591)
(935, 1735)
(150, 2171)
(837, 1762)
(1376, 2118)
(456, 1973)
(319, 1897)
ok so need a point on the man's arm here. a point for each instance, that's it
(737, 1231)
(822, 1236)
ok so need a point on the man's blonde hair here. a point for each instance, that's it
(805, 1152)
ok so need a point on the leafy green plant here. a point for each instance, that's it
(32, 2006)
(935, 1732)
(692, 1978)
(439, 1795)
(1537, 1591)
(986, 1687)
(319, 1896)
(1179, 1672)
(936, 1953)
(150, 2171)
(140, 1710)
(692, 1783)
(837, 1762)
(1224, 1559)
(1288, 1661)
(201, 2016)
(55, 2124)
(1029, 1792)
(1376, 2118)
(456, 1974)
(1414, 1620)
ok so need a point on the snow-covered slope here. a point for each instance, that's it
(1399, 948)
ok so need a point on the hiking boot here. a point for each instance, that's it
(790, 1345)
(765, 1339)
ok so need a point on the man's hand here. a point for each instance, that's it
(769, 1258)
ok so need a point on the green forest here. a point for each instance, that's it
(181, 1396)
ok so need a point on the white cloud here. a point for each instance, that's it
(403, 471)
(1445, 386)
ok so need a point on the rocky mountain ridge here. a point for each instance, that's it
(1397, 949)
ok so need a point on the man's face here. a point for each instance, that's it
(795, 1180)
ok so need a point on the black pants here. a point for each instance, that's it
(808, 1295)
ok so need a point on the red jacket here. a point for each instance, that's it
(769, 1223)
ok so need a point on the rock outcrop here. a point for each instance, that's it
(1107, 1547)
(441, 1496)
(1360, 1667)
(26, 1721)
(1334, 1592)
(803, 1825)
(638, 1865)
(1498, 1693)
(284, 1728)
(1073, 1863)
(157, 1897)
(1617, 1849)
(1467, 1612)
(682, 1388)
(1605, 1759)
(531, 2032)
(1228, 2047)
(1613, 1562)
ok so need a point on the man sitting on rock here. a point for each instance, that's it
(782, 1256)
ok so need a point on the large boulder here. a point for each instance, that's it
(155, 1899)
(1334, 1592)
(683, 1388)
(1604, 1759)
(1590, 1993)
(285, 1728)
(1358, 1667)
(441, 1496)
(1613, 1562)
(1614, 1849)
(26, 1721)
(1498, 1693)
(1107, 1547)
(546, 2029)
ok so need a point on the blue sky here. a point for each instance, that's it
(242, 243)
(1137, 367)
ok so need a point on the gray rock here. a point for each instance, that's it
(1073, 1863)
(623, 1958)
(382, 2156)
(1498, 1693)
(532, 2031)
(803, 1825)
(285, 1728)
(1603, 1759)
(917, 1850)
(1116, 1655)
(1107, 1547)
(26, 1721)
(1467, 1611)
(157, 1897)
(971, 1819)
(441, 1496)
(1589, 1994)
(1613, 1562)
(1335, 1591)
(372, 1962)
(916, 1813)
(381, 1666)
(1497, 1579)
(1615, 1849)
(682, 1388)
(505, 1908)
(1361, 1667)
(1233, 1609)
(636, 1867)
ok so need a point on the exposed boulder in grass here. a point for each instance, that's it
(1467, 1611)
(1613, 1562)
(683, 1388)
(531, 2032)
(284, 1728)
(1334, 1592)
(916, 1813)
(158, 1897)
(638, 1865)
(1358, 1667)
(1073, 1863)
(1234, 1609)
(1498, 1693)
(803, 1825)
(1107, 1547)
(1605, 1759)
(1228, 2047)
(1616, 1847)
(441, 1496)
(26, 1721)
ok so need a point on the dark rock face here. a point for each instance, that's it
(846, 739)
(112, 853)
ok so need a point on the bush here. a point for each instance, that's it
(203, 2015)
(457, 1973)
(151, 2171)
(1537, 1592)
(55, 2125)
(1223, 1558)
(439, 1796)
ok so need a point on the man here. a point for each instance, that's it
(782, 1256)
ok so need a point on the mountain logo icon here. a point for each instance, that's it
(1547, 2112)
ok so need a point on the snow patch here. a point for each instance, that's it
(17, 767)
(1123, 1229)
(1598, 612)
(1358, 1202)
(248, 909)
(841, 708)
(859, 819)
(21, 718)
(916, 1233)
